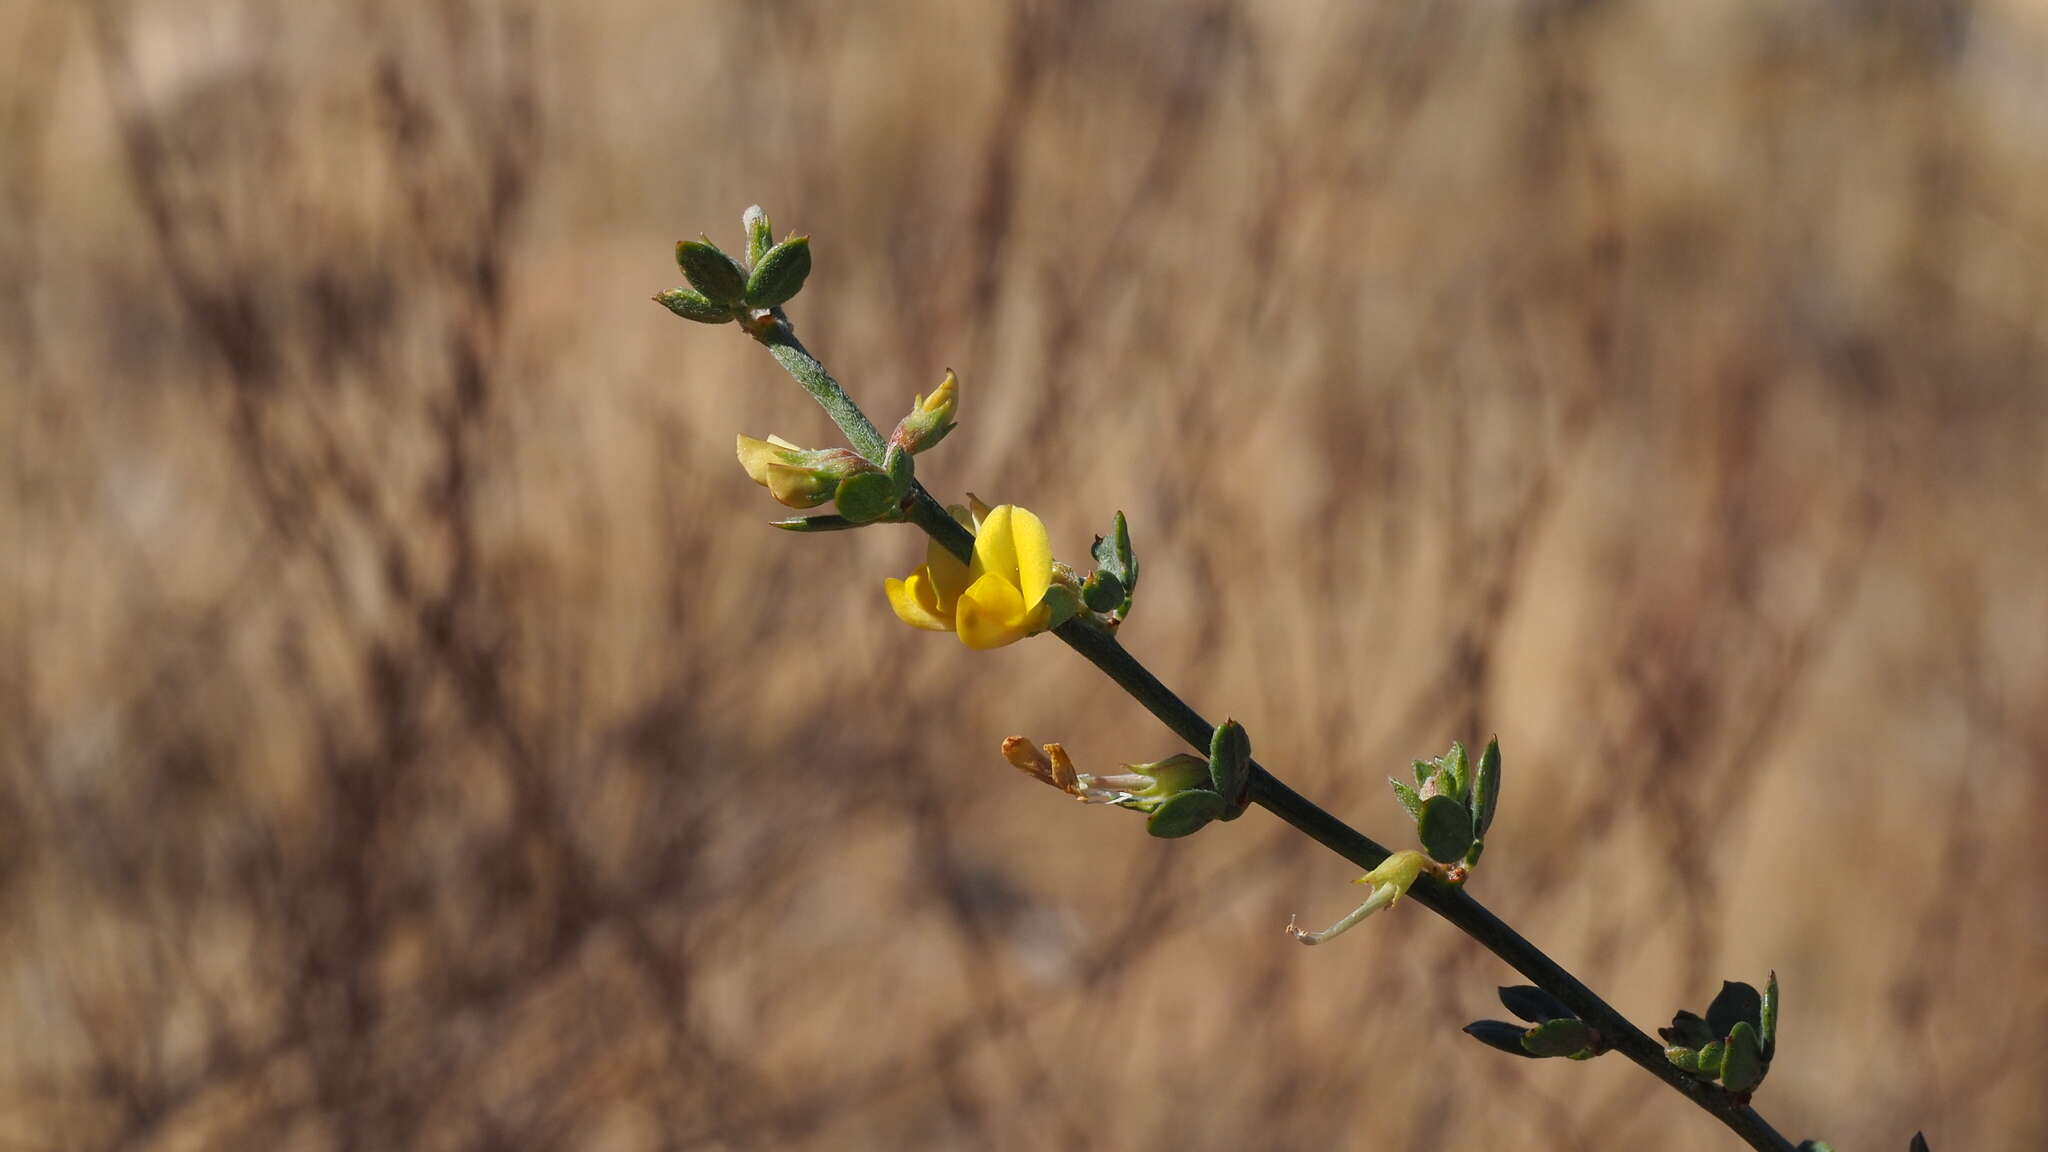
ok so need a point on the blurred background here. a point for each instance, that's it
(414, 738)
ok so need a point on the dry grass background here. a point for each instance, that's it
(412, 737)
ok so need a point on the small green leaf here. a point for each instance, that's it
(1533, 1004)
(1185, 814)
(1456, 765)
(1710, 1059)
(1742, 1066)
(1687, 1029)
(1500, 1034)
(1767, 1020)
(711, 271)
(1558, 1038)
(694, 306)
(1408, 798)
(1102, 591)
(1736, 1002)
(779, 274)
(1486, 787)
(1445, 828)
(760, 234)
(865, 497)
(1230, 760)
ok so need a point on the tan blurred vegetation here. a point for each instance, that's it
(412, 738)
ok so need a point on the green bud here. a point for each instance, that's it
(1501, 1035)
(779, 274)
(1230, 759)
(931, 417)
(1742, 1065)
(711, 271)
(1566, 1037)
(760, 234)
(694, 306)
(1445, 828)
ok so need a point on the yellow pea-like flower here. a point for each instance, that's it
(998, 599)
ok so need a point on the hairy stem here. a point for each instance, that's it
(1452, 903)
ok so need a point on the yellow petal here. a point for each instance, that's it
(995, 552)
(1034, 555)
(798, 487)
(948, 575)
(978, 510)
(757, 455)
(911, 608)
(990, 614)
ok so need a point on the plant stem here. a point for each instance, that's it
(1101, 649)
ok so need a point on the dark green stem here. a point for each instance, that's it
(1468, 915)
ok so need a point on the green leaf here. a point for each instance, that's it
(1455, 764)
(1445, 828)
(1742, 1066)
(1486, 787)
(865, 497)
(1185, 814)
(1230, 760)
(1558, 1038)
(1710, 1059)
(711, 271)
(1102, 591)
(760, 234)
(1441, 783)
(1767, 1020)
(694, 306)
(1408, 798)
(1500, 1034)
(780, 273)
(1685, 1058)
(1534, 1004)
(1113, 555)
(1735, 1003)
(1687, 1029)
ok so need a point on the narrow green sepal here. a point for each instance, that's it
(1230, 761)
(1735, 1003)
(1445, 828)
(779, 274)
(1184, 814)
(865, 497)
(1458, 768)
(1742, 1065)
(760, 234)
(814, 524)
(1409, 798)
(1534, 1004)
(1688, 1029)
(694, 306)
(1767, 1019)
(1553, 1038)
(1486, 787)
(1102, 591)
(711, 272)
(1501, 1035)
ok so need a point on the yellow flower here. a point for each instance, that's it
(998, 599)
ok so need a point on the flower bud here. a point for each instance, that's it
(931, 417)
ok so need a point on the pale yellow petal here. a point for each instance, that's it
(779, 442)
(990, 614)
(912, 608)
(798, 487)
(757, 455)
(948, 575)
(1034, 555)
(995, 552)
